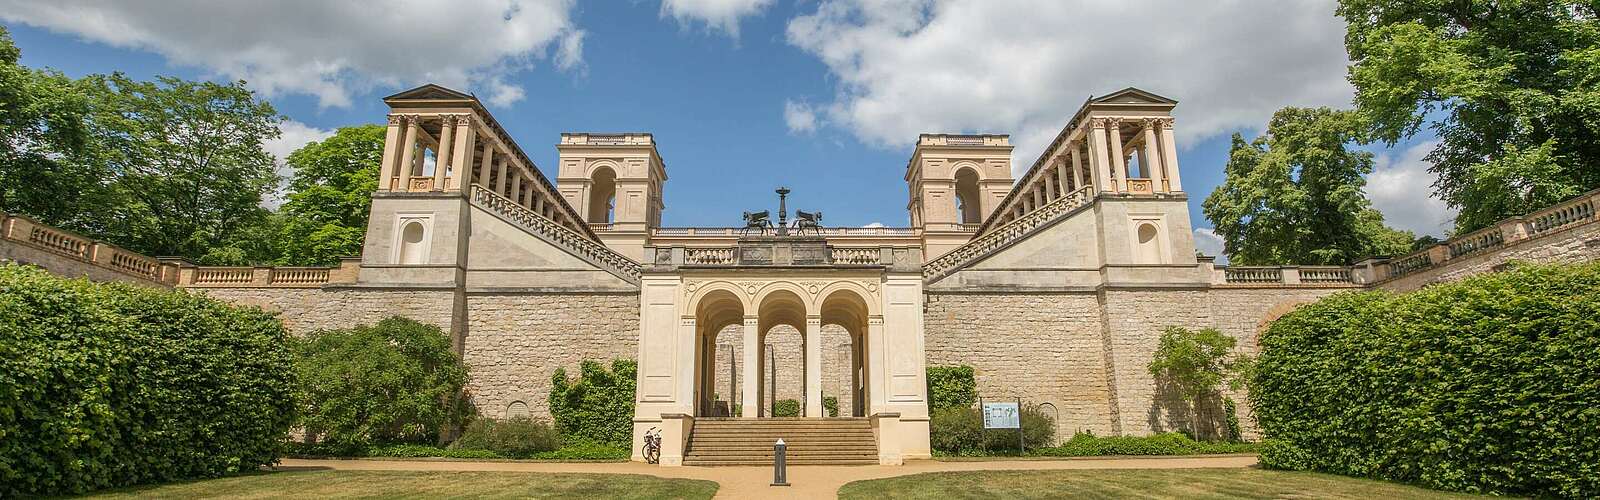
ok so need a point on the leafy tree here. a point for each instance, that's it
(1197, 363)
(189, 157)
(326, 215)
(394, 382)
(1509, 87)
(43, 172)
(1294, 195)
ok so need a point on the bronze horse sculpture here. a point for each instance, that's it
(808, 220)
(759, 221)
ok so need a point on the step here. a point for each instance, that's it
(768, 462)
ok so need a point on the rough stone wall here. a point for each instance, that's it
(515, 342)
(790, 357)
(1577, 244)
(1044, 347)
(308, 309)
(23, 253)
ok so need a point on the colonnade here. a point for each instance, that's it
(1099, 155)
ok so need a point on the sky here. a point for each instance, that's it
(825, 97)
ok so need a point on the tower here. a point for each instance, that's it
(615, 181)
(956, 181)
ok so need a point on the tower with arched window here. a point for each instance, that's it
(956, 181)
(616, 181)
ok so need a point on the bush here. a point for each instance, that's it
(786, 408)
(597, 408)
(1171, 443)
(830, 406)
(108, 385)
(951, 387)
(514, 437)
(1486, 385)
(394, 382)
(960, 431)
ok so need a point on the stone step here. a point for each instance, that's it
(811, 441)
(767, 462)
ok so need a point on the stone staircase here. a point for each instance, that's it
(811, 441)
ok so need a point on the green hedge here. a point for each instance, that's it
(394, 382)
(1171, 443)
(1488, 385)
(581, 452)
(513, 437)
(107, 385)
(597, 408)
(951, 387)
(786, 408)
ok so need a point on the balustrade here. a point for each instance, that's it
(1410, 264)
(224, 276)
(59, 242)
(715, 256)
(1240, 274)
(856, 256)
(1562, 216)
(135, 264)
(556, 233)
(1325, 275)
(1476, 242)
(300, 275)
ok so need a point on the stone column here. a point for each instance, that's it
(460, 174)
(441, 158)
(500, 173)
(408, 153)
(1099, 158)
(1169, 156)
(391, 153)
(877, 361)
(1077, 168)
(1061, 176)
(813, 366)
(751, 377)
(1119, 161)
(1152, 160)
(488, 163)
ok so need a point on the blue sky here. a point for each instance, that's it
(825, 97)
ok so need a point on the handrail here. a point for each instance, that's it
(1004, 235)
(581, 246)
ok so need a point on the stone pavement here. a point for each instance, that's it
(753, 482)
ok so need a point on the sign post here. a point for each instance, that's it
(1005, 416)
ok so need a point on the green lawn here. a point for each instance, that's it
(1168, 483)
(395, 484)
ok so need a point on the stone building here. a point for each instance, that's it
(1053, 286)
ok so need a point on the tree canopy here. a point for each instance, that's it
(1510, 88)
(1294, 195)
(325, 217)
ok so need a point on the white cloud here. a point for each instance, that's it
(873, 224)
(293, 135)
(1011, 66)
(721, 15)
(1401, 187)
(331, 50)
(800, 117)
(1208, 243)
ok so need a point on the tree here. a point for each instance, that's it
(1510, 88)
(189, 157)
(1294, 195)
(394, 382)
(1196, 363)
(43, 173)
(330, 193)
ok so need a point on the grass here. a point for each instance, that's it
(1167, 483)
(430, 485)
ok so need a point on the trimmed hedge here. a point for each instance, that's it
(585, 452)
(597, 408)
(106, 385)
(951, 387)
(1171, 443)
(513, 437)
(1487, 385)
(786, 408)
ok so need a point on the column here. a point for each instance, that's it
(460, 174)
(1051, 192)
(877, 361)
(814, 366)
(500, 174)
(1150, 157)
(752, 368)
(1077, 168)
(1062, 178)
(408, 154)
(1099, 160)
(488, 162)
(1169, 156)
(391, 153)
(1119, 162)
(441, 158)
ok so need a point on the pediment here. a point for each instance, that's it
(1131, 95)
(429, 92)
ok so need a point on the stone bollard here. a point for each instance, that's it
(779, 475)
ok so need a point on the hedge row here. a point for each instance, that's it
(1170, 443)
(1487, 385)
(107, 385)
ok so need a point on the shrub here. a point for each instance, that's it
(786, 408)
(951, 387)
(394, 382)
(960, 431)
(597, 408)
(830, 406)
(1195, 364)
(514, 437)
(1485, 385)
(108, 385)
(1171, 443)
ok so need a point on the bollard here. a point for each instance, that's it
(779, 476)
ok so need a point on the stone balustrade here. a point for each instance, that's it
(1002, 236)
(717, 256)
(783, 251)
(1579, 211)
(1284, 275)
(825, 231)
(270, 277)
(75, 255)
(854, 256)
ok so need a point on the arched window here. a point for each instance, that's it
(411, 243)
(1149, 247)
(517, 409)
(602, 195)
(967, 197)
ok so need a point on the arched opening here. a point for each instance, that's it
(719, 317)
(411, 243)
(967, 197)
(602, 195)
(1149, 246)
(845, 313)
(782, 360)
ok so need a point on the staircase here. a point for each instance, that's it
(811, 441)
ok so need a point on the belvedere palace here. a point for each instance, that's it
(1053, 286)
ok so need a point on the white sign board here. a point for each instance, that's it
(1001, 416)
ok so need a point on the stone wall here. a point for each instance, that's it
(1580, 243)
(515, 342)
(308, 309)
(790, 358)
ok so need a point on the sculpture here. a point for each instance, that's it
(760, 221)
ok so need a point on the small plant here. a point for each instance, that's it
(1196, 363)
(786, 408)
(830, 405)
(597, 407)
(515, 437)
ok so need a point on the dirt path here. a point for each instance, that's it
(806, 481)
